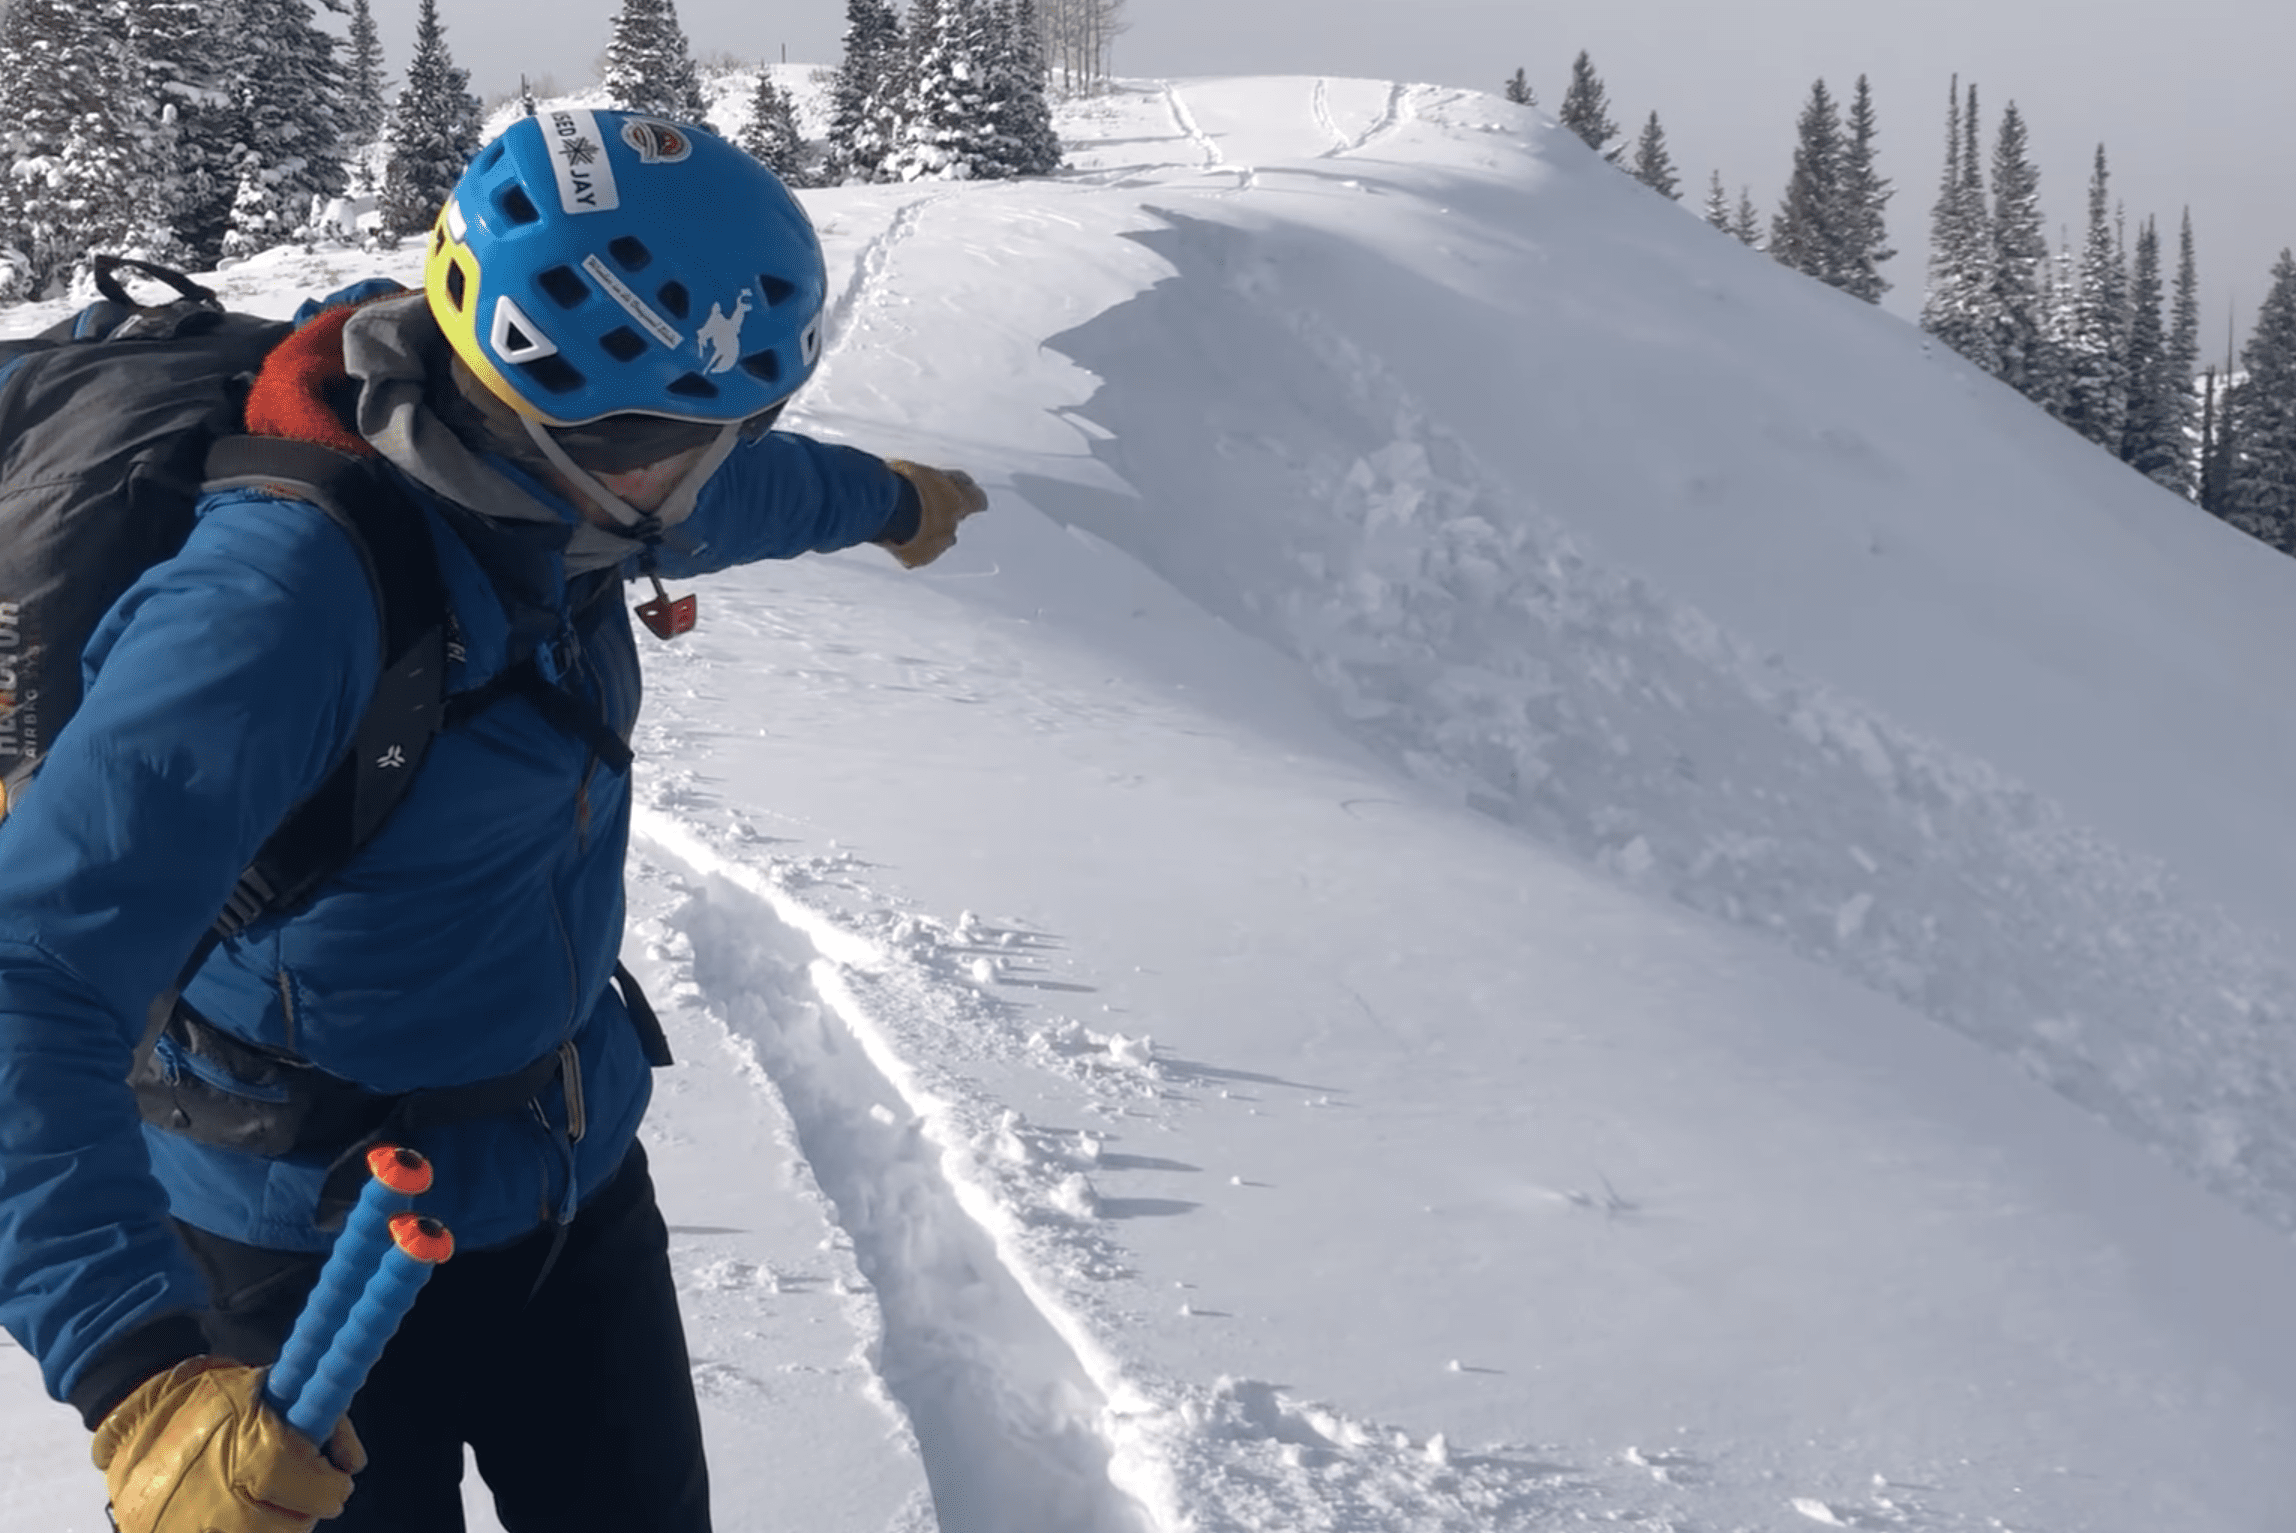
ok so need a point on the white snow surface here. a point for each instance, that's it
(1532, 873)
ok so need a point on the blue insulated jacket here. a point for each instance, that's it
(475, 934)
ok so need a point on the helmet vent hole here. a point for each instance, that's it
(631, 252)
(776, 289)
(519, 207)
(457, 286)
(554, 373)
(674, 298)
(563, 286)
(694, 386)
(763, 366)
(437, 240)
(492, 157)
(623, 344)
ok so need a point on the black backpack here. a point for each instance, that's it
(111, 425)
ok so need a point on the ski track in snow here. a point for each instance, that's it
(1397, 112)
(864, 290)
(1185, 121)
(1320, 105)
(992, 1254)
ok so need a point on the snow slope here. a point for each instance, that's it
(1533, 873)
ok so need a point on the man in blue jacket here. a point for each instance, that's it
(615, 308)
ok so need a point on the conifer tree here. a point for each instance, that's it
(364, 105)
(1956, 308)
(1027, 143)
(1519, 90)
(287, 95)
(2020, 254)
(2096, 357)
(72, 173)
(649, 68)
(1746, 224)
(864, 125)
(1653, 166)
(2151, 440)
(193, 126)
(946, 129)
(1865, 198)
(1586, 110)
(2180, 362)
(1717, 203)
(1815, 230)
(772, 138)
(2260, 491)
(433, 131)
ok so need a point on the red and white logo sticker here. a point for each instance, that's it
(657, 142)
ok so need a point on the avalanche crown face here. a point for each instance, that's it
(592, 263)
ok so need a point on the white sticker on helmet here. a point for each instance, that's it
(578, 155)
(517, 338)
(640, 310)
(456, 226)
(720, 336)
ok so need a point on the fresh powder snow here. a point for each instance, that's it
(1532, 873)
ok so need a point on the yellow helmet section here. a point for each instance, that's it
(450, 281)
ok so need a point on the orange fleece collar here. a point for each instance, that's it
(305, 393)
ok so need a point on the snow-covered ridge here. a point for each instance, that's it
(1484, 731)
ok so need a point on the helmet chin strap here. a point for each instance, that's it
(675, 508)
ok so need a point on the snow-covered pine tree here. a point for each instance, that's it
(772, 138)
(2096, 359)
(2180, 362)
(1957, 306)
(73, 178)
(184, 93)
(2020, 254)
(1518, 89)
(1586, 110)
(287, 91)
(1027, 143)
(1865, 198)
(2260, 492)
(1653, 166)
(2150, 443)
(169, 59)
(432, 133)
(649, 67)
(864, 123)
(1815, 229)
(946, 128)
(365, 107)
(1717, 203)
(2049, 374)
(1746, 223)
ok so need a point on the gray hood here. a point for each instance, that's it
(395, 349)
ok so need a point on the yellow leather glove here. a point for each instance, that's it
(945, 497)
(195, 1450)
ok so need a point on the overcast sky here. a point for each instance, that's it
(2198, 111)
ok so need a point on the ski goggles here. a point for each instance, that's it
(617, 444)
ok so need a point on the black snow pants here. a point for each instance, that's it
(577, 1401)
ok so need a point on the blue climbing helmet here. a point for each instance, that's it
(596, 263)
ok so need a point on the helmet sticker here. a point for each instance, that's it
(657, 142)
(578, 155)
(517, 338)
(720, 338)
(640, 310)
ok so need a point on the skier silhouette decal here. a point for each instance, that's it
(720, 336)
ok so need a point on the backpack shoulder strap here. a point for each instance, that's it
(320, 835)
